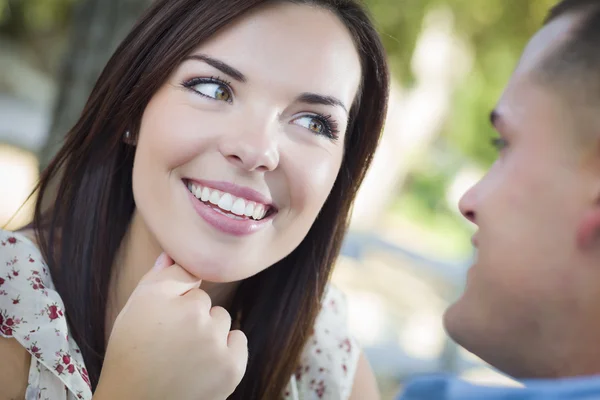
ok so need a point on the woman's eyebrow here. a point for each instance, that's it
(220, 65)
(313, 98)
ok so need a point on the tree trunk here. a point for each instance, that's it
(98, 27)
(415, 117)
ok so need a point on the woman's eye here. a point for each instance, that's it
(211, 88)
(216, 91)
(318, 124)
(312, 124)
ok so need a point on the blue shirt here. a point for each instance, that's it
(442, 387)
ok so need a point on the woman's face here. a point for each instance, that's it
(239, 149)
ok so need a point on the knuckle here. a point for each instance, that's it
(220, 313)
(202, 298)
(232, 372)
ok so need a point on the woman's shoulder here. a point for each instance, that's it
(21, 265)
(329, 360)
(32, 313)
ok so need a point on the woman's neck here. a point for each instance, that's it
(137, 254)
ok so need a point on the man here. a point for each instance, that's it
(531, 307)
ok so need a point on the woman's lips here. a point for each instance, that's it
(229, 224)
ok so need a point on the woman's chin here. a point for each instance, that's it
(215, 272)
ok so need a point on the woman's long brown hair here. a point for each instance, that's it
(85, 200)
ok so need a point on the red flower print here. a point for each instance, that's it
(346, 345)
(320, 390)
(15, 272)
(8, 324)
(59, 368)
(86, 378)
(12, 240)
(35, 281)
(31, 260)
(17, 300)
(2, 281)
(36, 351)
(71, 368)
(66, 359)
(54, 312)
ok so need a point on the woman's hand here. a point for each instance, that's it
(168, 343)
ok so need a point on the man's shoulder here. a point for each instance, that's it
(443, 387)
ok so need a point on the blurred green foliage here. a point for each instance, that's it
(496, 31)
(28, 18)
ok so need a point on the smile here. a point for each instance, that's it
(228, 203)
(227, 212)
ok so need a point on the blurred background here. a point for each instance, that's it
(408, 249)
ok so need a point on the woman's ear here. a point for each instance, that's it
(128, 138)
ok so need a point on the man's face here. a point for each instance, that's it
(527, 292)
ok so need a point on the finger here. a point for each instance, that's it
(170, 276)
(162, 262)
(199, 298)
(238, 343)
(221, 320)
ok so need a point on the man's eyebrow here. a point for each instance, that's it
(220, 65)
(313, 98)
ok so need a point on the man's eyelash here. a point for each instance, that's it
(499, 143)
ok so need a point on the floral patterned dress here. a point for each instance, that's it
(31, 311)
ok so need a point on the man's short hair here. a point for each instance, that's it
(576, 61)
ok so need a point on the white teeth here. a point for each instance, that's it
(249, 211)
(259, 212)
(238, 207)
(229, 203)
(214, 198)
(226, 202)
(205, 194)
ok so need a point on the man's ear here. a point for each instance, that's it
(588, 229)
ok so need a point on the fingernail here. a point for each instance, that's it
(160, 261)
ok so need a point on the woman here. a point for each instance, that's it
(232, 136)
